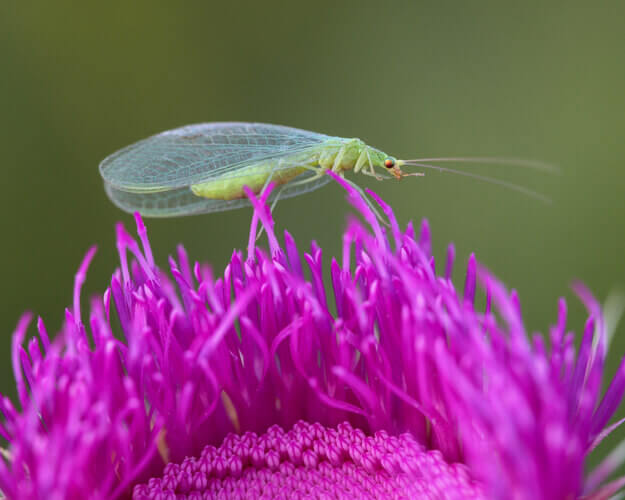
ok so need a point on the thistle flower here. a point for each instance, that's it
(262, 383)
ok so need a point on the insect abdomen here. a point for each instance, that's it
(254, 177)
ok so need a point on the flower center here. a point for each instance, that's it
(311, 459)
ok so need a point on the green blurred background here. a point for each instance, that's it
(80, 80)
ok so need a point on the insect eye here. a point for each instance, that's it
(389, 163)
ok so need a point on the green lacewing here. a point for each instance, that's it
(202, 168)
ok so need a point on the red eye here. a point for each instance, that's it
(389, 163)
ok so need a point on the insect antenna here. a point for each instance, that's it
(489, 160)
(483, 178)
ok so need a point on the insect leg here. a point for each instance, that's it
(369, 203)
(336, 166)
(371, 170)
(360, 191)
(273, 169)
(318, 173)
(360, 162)
(273, 205)
(262, 228)
(375, 175)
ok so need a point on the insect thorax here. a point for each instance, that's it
(348, 150)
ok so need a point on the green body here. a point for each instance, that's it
(205, 167)
(335, 154)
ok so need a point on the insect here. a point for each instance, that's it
(203, 168)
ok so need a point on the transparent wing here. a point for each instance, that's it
(181, 201)
(196, 153)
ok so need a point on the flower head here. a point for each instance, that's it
(265, 383)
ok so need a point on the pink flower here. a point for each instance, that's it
(264, 383)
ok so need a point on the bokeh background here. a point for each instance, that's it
(542, 80)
